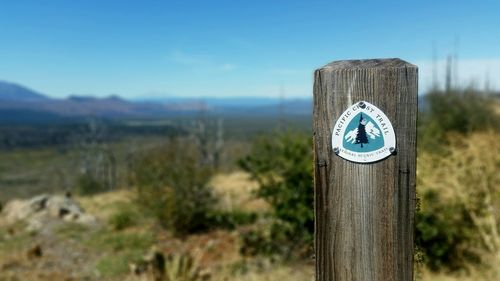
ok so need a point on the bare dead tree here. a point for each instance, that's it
(448, 74)
(487, 86)
(456, 45)
(219, 143)
(281, 110)
(109, 171)
(208, 134)
(97, 160)
(435, 84)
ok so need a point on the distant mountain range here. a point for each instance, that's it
(19, 103)
(15, 92)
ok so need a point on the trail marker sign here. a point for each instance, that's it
(363, 134)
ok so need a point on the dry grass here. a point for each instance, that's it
(474, 274)
(301, 272)
(104, 205)
(292, 272)
(469, 174)
(235, 191)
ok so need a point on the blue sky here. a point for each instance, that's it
(141, 49)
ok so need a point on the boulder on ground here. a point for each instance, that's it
(37, 210)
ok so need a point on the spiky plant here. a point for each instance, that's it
(184, 267)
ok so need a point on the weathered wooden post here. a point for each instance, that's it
(365, 114)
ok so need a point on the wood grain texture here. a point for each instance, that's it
(365, 212)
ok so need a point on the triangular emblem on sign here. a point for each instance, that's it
(363, 134)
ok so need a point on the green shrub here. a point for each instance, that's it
(457, 111)
(282, 164)
(442, 230)
(457, 223)
(172, 185)
(123, 218)
(88, 185)
(230, 220)
(456, 177)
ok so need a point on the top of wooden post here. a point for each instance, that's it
(370, 63)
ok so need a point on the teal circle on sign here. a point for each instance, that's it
(371, 139)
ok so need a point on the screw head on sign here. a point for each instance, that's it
(361, 104)
(336, 150)
(392, 150)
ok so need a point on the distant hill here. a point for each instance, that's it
(20, 104)
(15, 92)
(246, 106)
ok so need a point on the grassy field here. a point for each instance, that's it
(25, 172)
(107, 252)
(29, 170)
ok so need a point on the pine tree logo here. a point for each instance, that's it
(361, 137)
(363, 134)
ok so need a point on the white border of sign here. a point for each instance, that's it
(383, 123)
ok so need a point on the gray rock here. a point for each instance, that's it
(37, 210)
